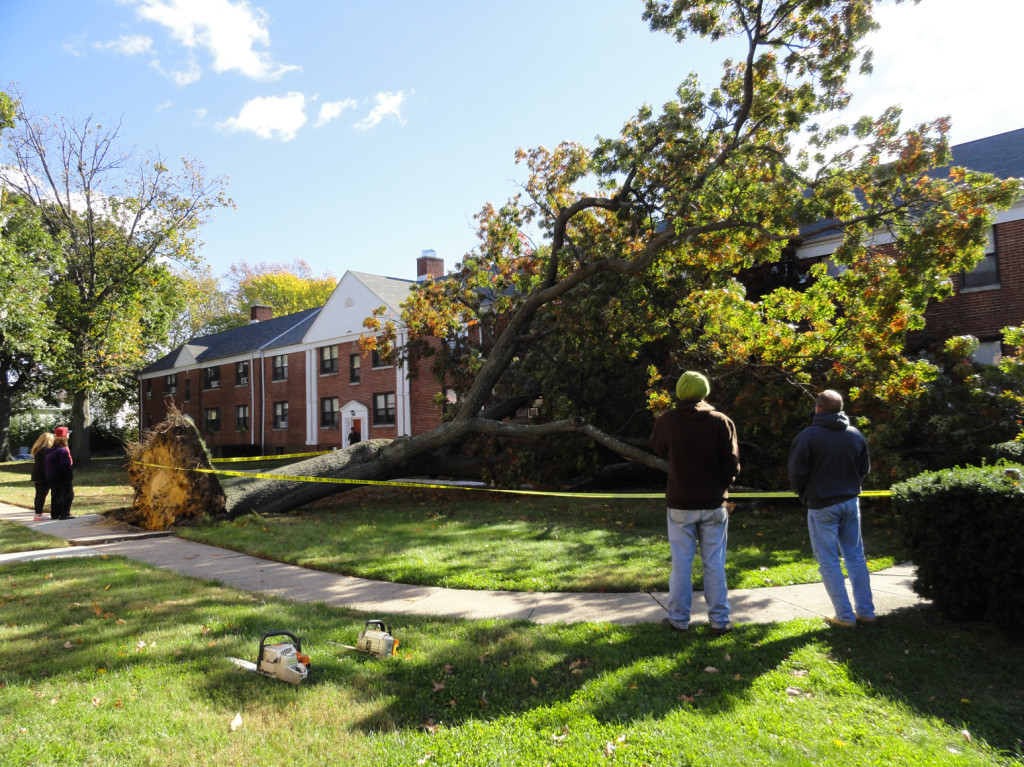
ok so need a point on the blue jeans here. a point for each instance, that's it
(835, 530)
(709, 528)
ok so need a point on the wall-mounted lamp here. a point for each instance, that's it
(353, 412)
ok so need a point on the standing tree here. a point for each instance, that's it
(647, 234)
(121, 219)
(27, 257)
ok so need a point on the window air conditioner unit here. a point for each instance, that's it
(243, 380)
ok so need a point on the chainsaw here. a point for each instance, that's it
(374, 639)
(282, 660)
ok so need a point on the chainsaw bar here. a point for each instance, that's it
(248, 665)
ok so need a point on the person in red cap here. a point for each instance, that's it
(60, 475)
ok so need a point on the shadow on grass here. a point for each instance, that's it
(73, 619)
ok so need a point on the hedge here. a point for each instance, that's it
(964, 529)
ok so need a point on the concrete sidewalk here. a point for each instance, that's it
(93, 534)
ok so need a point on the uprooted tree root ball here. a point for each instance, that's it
(170, 496)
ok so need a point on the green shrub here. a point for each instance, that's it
(1011, 451)
(964, 530)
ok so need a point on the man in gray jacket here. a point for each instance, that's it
(826, 463)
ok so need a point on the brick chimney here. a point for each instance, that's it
(260, 313)
(428, 265)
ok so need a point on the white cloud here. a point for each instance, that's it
(270, 117)
(954, 63)
(387, 105)
(329, 110)
(229, 31)
(127, 45)
(162, 107)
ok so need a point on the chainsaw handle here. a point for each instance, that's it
(290, 635)
(379, 624)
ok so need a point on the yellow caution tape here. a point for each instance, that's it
(431, 486)
(267, 457)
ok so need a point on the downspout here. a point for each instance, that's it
(252, 398)
(263, 405)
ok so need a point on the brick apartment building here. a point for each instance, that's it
(991, 296)
(299, 382)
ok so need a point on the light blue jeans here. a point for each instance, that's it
(709, 528)
(835, 531)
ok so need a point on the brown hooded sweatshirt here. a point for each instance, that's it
(703, 455)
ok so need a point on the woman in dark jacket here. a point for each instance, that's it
(60, 475)
(39, 451)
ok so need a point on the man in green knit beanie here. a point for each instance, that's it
(703, 456)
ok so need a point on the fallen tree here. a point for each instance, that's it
(685, 201)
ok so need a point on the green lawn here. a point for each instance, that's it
(480, 540)
(109, 662)
(100, 487)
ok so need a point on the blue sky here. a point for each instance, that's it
(357, 134)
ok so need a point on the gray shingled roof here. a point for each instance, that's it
(1001, 155)
(269, 334)
(392, 289)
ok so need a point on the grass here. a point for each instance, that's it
(479, 540)
(15, 538)
(109, 662)
(100, 487)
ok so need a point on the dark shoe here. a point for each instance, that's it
(671, 625)
(721, 630)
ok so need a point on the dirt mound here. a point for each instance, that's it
(166, 491)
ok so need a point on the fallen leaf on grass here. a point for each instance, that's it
(430, 725)
(426, 758)
(235, 723)
(965, 735)
(483, 700)
(533, 681)
(710, 670)
(96, 702)
(120, 621)
(799, 672)
(438, 686)
(448, 668)
(68, 645)
(686, 698)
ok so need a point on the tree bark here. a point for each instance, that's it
(383, 459)
(81, 425)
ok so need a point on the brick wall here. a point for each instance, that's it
(984, 313)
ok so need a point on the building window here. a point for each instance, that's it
(188, 389)
(171, 384)
(242, 373)
(211, 378)
(986, 273)
(280, 415)
(378, 362)
(241, 418)
(211, 420)
(354, 363)
(328, 359)
(384, 409)
(328, 412)
(149, 388)
(279, 367)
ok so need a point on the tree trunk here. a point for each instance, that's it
(81, 425)
(384, 459)
(5, 423)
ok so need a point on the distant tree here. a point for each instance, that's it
(206, 309)
(286, 288)
(28, 343)
(121, 218)
(27, 257)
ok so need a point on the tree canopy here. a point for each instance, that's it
(121, 218)
(672, 245)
